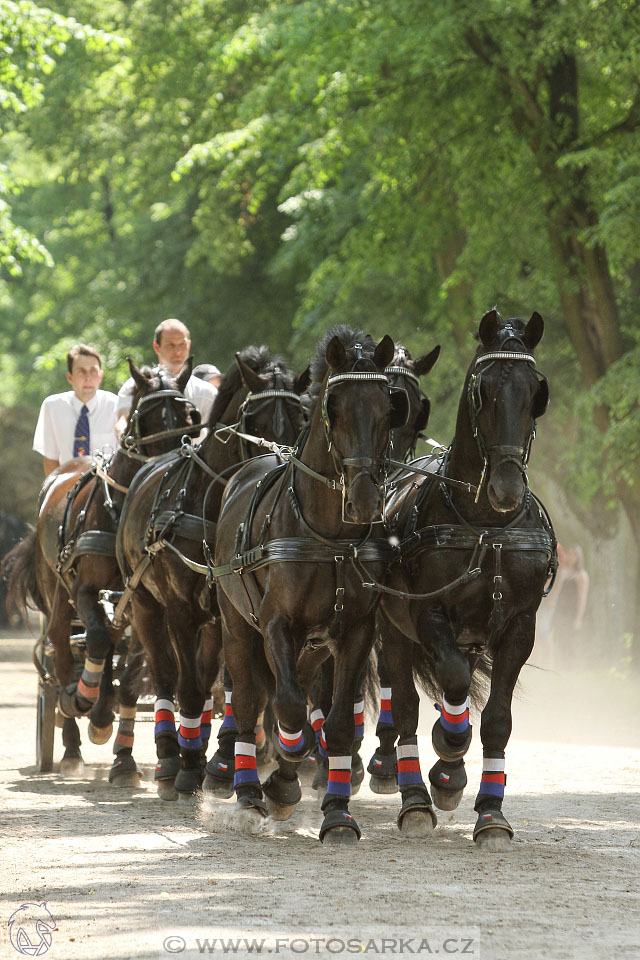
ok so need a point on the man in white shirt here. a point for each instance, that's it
(171, 343)
(80, 421)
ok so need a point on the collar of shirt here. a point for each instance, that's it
(77, 404)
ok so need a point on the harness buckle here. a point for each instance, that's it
(237, 563)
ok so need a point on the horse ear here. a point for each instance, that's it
(383, 354)
(533, 331)
(488, 330)
(249, 377)
(335, 353)
(142, 381)
(183, 377)
(302, 381)
(424, 364)
(541, 400)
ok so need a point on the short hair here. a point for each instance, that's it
(82, 350)
(170, 324)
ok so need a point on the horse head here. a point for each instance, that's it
(272, 408)
(505, 398)
(161, 414)
(358, 411)
(404, 374)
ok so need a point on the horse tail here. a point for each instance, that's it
(424, 672)
(19, 570)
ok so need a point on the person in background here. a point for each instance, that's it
(208, 372)
(561, 616)
(171, 344)
(81, 420)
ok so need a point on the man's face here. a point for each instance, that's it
(85, 377)
(173, 350)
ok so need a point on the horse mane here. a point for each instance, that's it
(260, 360)
(319, 366)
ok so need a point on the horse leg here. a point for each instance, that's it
(296, 737)
(383, 766)
(492, 831)
(338, 825)
(101, 715)
(147, 619)
(451, 734)
(219, 772)
(58, 632)
(184, 631)
(77, 699)
(243, 652)
(124, 771)
(417, 818)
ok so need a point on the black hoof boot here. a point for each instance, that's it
(281, 795)
(383, 768)
(339, 827)
(219, 773)
(124, 772)
(165, 773)
(71, 704)
(450, 746)
(307, 745)
(448, 781)
(187, 784)
(417, 817)
(493, 832)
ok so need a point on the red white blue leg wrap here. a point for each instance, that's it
(124, 736)
(493, 780)
(228, 721)
(290, 742)
(316, 719)
(205, 720)
(339, 784)
(358, 718)
(189, 732)
(165, 718)
(409, 773)
(454, 717)
(385, 717)
(246, 767)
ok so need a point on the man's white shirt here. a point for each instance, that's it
(56, 426)
(201, 393)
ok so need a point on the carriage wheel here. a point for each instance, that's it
(45, 725)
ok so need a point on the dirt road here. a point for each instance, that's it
(125, 875)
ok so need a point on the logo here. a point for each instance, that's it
(30, 928)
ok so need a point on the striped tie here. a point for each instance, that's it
(82, 435)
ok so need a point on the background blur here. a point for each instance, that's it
(262, 170)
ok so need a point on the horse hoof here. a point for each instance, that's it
(339, 827)
(416, 825)
(72, 768)
(222, 789)
(445, 799)
(279, 811)
(188, 799)
(124, 773)
(100, 734)
(340, 836)
(493, 832)
(383, 784)
(494, 841)
(166, 789)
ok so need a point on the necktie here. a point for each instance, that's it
(82, 435)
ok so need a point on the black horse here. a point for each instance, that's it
(290, 587)
(472, 575)
(70, 557)
(404, 373)
(167, 534)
